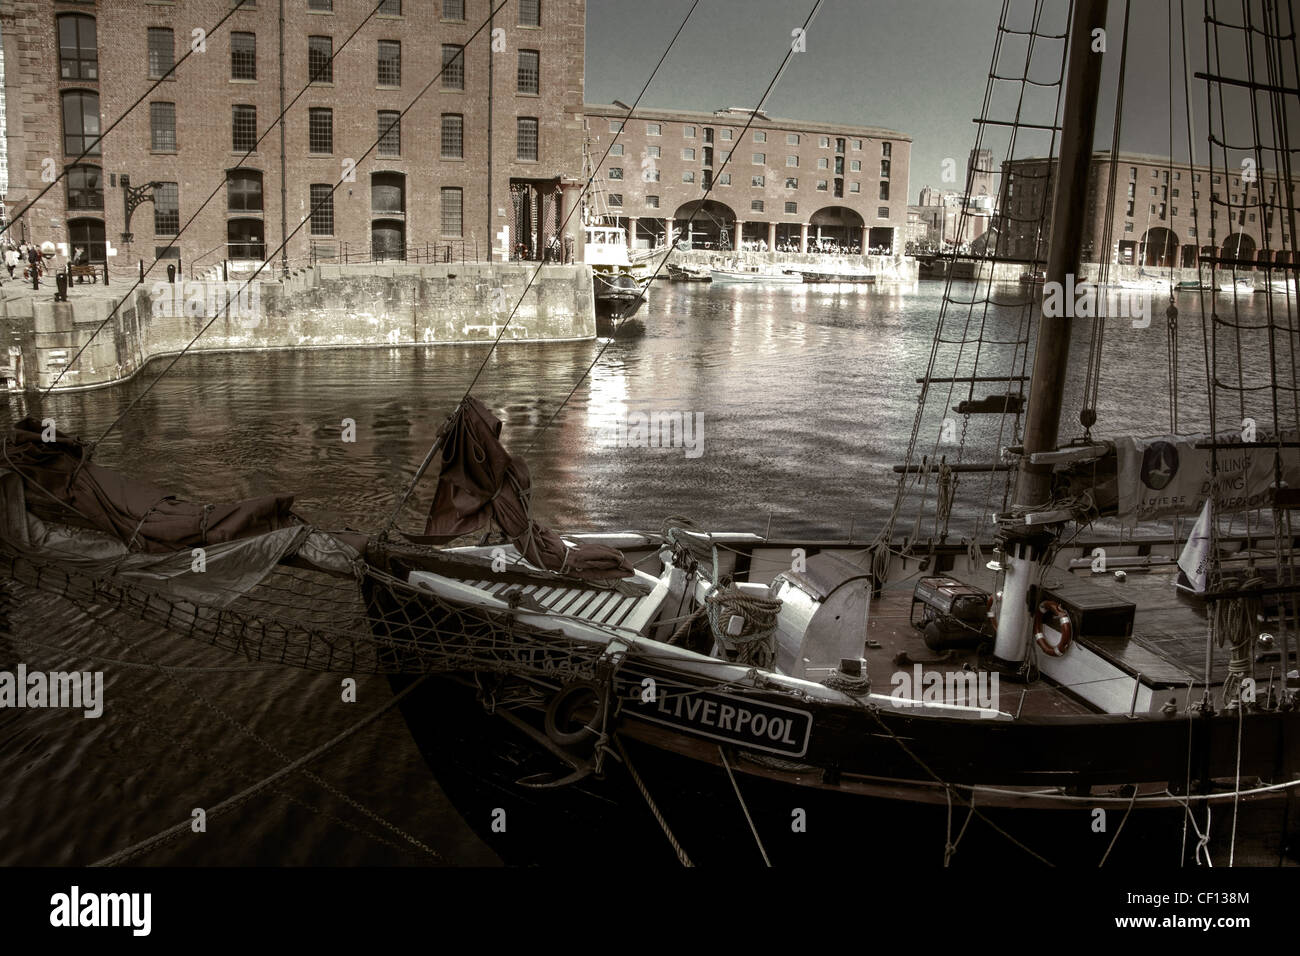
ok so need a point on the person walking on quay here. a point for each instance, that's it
(11, 259)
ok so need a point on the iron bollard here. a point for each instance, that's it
(105, 272)
(171, 273)
(61, 279)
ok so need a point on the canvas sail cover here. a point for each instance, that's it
(1168, 475)
(142, 516)
(479, 482)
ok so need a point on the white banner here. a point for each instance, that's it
(1168, 475)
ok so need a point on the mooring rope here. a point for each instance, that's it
(1119, 829)
(654, 807)
(750, 820)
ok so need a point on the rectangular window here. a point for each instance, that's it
(390, 133)
(78, 48)
(453, 67)
(243, 124)
(1128, 227)
(162, 51)
(758, 159)
(688, 154)
(320, 59)
(822, 185)
(1217, 180)
(708, 134)
(324, 6)
(792, 139)
(726, 134)
(760, 136)
(756, 181)
(390, 63)
(652, 151)
(688, 132)
(616, 172)
(688, 176)
(823, 163)
(884, 168)
(530, 13)
(791, 208)
(652, 202)
(453, 203)
(453, 9)
(884, 191)
(243, 56)
(857, 144)
(823, 141)
(166, 209)
(724, 179)
(855, 165)
(792, 161)
(392, 8)
(526, 138)
(855, 187)
(616, 149)
(616, 199)
(162, 127)
(653, 129)
(882, 212)
(322, 209)
(453, 136)
(756, 205)
(529, 73)
(886, 149)
(615, 126)
(791, 182)
(320, 130)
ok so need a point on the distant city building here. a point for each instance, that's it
(440, 177)
(939, 211)
(1153, 223)
(785, 182)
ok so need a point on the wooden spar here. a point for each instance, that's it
(1051, 359)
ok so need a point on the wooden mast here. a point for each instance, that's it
(1051, 358)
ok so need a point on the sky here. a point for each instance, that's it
(916, 66)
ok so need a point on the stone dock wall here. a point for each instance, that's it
(327, 306)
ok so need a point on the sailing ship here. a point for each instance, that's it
(767, 699)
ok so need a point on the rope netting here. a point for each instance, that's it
(375, 624)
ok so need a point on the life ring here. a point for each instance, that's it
(1066, 627)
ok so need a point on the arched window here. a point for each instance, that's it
(244, 190)
(78, 48)
(85, 187)
(388, 193)
(88, 235)
(80, 123)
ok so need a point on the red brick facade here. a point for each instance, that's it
(204, 93)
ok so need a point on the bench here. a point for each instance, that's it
(84, 271)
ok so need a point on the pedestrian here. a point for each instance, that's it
(11, 259)
(33, 262)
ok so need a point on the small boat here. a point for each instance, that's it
(752, 274)
(688, 274)
(618, 291)
(867, 278)
(1190, 285)
(1242, 285)
(1276, 287)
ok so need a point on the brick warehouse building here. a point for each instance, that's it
(1152, 222)
(788, 180)
(440, 178)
